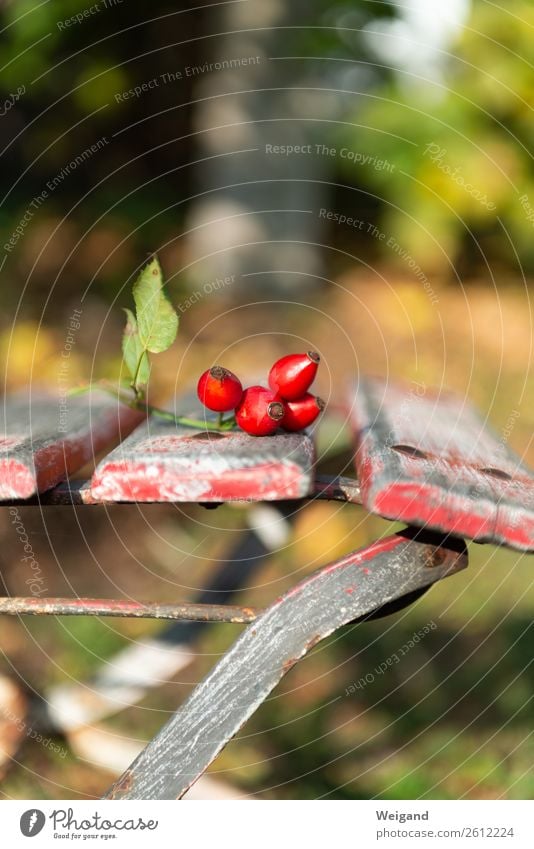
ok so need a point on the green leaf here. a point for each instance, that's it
(134, 353)
(156, 319)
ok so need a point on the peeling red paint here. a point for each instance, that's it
(356, 557)
(123, 785)
(148, 482)
(16, 480)
(8, 442)
(430, 461)
(37, 461)
(158, 464)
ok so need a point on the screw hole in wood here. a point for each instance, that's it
(410, 451)
(497, 473)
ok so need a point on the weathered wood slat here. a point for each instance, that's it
(161, 461)
(272, 645)
(44, 438)
(77, 492)
(430, 460)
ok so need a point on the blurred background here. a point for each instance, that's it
(353, 177)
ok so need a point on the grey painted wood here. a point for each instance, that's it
(77, 492)
(44, 438)
(429, 459)
(161, 461)
(267, 649)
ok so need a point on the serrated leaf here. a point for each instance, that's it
(133, 351)
(156, 318)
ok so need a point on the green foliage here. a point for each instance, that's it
(156, 317)
(135, 357)
(457, 147)
(152, 329)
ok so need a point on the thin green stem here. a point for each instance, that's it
(138, 403)
(139, 392)
(198, 424)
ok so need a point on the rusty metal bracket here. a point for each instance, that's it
(186, 611)
(78, 493)
(340, 593)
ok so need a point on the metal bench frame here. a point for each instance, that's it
(374, 582)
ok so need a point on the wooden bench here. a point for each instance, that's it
(426, 460)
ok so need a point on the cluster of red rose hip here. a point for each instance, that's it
(260, 411)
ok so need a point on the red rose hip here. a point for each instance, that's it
(219, 389)
(260, 411)
(293, 375)
(302, 413)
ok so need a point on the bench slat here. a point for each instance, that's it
(161, 461)
(44, 438)
(430, 460)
